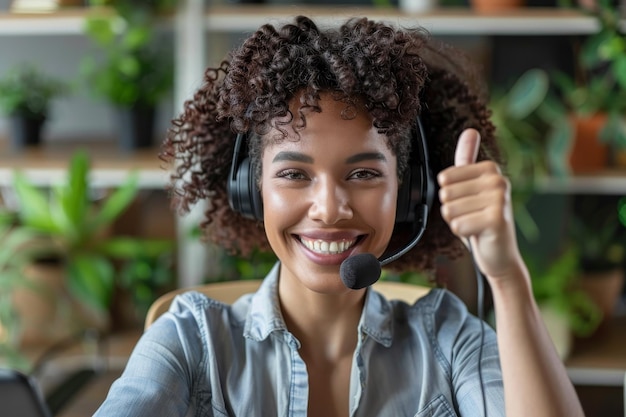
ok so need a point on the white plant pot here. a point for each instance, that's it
(558, 329)
(417, 6)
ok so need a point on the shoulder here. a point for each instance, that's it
(198, 309)
(448, 323)
(439, 305)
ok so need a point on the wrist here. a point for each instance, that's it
(514, 286)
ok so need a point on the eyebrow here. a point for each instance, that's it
(300, 157)
(292, 156)
(366, 156)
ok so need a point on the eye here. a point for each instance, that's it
(291, 174)
(363, 174)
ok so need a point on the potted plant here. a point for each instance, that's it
(566, 310)
(25, 96)
(531, 129)
(16, 251)
(130, 68)
(596, 96)
(599, 239)
(73, 226)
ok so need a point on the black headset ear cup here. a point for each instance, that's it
(244, 196)
(250, 202)
(404, 196)
(417, 189)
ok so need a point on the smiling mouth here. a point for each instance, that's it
(328, 247)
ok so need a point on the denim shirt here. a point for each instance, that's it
(206, 358)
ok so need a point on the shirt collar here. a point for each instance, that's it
(377, 318)
(265, 317)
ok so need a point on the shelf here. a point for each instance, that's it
(601, 359)
(445, 21)
(68, 22)
(247, 18)
(604, 183)
(47, 165)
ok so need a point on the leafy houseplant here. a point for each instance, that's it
(556, 290)
(130, 68)
(525, 117)
(25, 96)
(600, 243)
(598, 89)
(599, 236)
(74, 229)
(16, 251)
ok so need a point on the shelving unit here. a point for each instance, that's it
(448, 21)
(48, 24)
(47, 166)
(246, 18)
(193, 23)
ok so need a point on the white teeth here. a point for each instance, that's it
(327, 248)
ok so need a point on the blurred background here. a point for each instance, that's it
(87, 238)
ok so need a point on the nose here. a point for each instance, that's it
(330, 202)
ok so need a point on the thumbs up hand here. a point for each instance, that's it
(476, 204)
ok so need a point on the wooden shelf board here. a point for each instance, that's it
(601, 359)
(606, 182)
(64, 22)
(442, 21)
(246, 18)
(47, 164)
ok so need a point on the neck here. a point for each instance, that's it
(325, 324)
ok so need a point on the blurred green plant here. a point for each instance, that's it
(255, 266)
(599, 84)
(131, 65)
(27, 91)
(74, 228)
(554, 285)
(597, 234)
(17, 248)
(533, 133)
(408, 277)
(146, 275)
(621, 211)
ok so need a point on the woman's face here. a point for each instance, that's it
(328, 195)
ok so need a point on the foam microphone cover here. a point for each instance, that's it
(360, 271)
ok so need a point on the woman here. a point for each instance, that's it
(330, 118)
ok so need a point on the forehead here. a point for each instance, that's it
(325, 135)
(328, 118)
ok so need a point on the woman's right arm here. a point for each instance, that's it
(158, 379)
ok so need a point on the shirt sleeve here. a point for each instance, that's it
(475, 374)
(158, 379)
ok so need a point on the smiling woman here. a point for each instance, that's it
(323, 146)
(332, 172)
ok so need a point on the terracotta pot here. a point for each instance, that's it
(619, 159)
(47, 312)
(604, 289)
(490, 6)
(588, 154)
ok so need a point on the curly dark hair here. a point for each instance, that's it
(397, 74)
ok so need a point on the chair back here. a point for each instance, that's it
(229, 291)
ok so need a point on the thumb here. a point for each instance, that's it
(467, 147)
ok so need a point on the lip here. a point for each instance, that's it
(329, 258)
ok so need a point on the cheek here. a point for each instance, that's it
(280, 208)
(387, 206)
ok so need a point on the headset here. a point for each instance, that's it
(415, 194)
